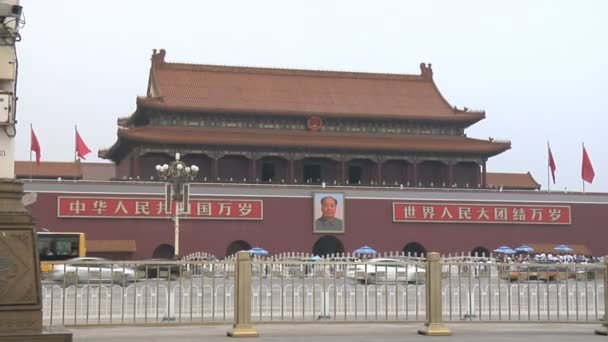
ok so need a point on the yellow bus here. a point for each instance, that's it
(59, 246)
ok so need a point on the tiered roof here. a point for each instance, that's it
(247, 90)
(192, 88)
(353, 141)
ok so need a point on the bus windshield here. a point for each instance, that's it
(60, 246)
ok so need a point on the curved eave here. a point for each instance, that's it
(315, 140)
(467, 118)
(521, 181)
(113, 152)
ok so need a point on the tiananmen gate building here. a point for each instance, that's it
(269, 143)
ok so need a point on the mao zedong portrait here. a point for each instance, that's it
(328, 220)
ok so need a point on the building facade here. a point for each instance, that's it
(225, 218)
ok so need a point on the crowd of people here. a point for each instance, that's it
(557, 258)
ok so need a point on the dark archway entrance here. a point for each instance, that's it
(238, 245)
(480, 251)
(414, 249)
(327, 244)
(163, 251)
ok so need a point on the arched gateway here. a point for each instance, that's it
(480, 251)
(327, 244)
(415, 249)
(163, 251)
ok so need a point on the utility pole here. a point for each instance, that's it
(20, 288)
(10, 22)
(177, 176)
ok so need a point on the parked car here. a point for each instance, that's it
(92, 270)
(386, 270)
(537, 272)
(162, 269)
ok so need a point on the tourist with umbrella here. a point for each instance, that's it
(258, 251)
(505, 250)
(563, 249)
(524, 249)
(365, 251)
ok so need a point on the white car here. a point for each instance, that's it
(89, 270)
(386, 270)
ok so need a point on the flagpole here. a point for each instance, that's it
(548, 161)
(581, 167)
(75, 143)
(31, 165)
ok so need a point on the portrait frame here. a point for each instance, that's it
(319, 223)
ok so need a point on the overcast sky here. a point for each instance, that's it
(538, 68)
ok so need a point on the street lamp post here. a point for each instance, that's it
(177, 176)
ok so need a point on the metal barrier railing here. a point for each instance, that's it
(382, 289)
(523, 292)
(104, 292)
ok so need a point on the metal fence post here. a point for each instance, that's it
(242, 298)
(434, 325)
(603, 330)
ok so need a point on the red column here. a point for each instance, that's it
(291, 171)
(415, 173)
(450, 174)
(215, 165)
(132, 164)
(379, 171)
(483, 174)
(252, 169)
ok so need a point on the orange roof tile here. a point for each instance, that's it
(23, 169)
(299, 92)
(98, 246)
(98, 171)
(522, 181)
(67, 170)
(271, 138)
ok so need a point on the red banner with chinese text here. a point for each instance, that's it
(481, 213)
(154, 208)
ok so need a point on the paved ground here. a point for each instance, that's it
(347, 333)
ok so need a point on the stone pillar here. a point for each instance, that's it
(20, 287)
(434, 325)
(242, 298)
(603, 330)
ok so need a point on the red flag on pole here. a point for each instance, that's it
(35, 147)
(552, 165)
(81, 148)
(587, 171)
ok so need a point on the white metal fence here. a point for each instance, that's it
(336, 289)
